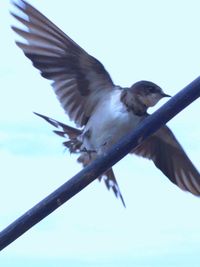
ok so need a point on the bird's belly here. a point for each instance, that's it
(106, 130)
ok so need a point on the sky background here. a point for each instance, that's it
(153, 40)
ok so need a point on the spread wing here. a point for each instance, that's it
(79, 80)
(168, 155)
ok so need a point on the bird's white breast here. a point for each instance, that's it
(109, 122)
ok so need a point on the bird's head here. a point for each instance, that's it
(148, 93)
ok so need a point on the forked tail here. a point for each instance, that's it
(75, 146)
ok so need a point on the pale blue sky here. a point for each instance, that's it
(153, 40)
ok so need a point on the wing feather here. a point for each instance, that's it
(168, 155)
(64, 62)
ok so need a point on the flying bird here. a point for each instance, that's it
(102, 111)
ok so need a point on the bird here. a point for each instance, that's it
(102, 111)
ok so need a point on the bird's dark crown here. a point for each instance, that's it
(146, 87)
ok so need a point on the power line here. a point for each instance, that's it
(73, 186)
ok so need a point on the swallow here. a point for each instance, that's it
(102, 111)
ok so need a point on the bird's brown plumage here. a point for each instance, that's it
(79, 80)
(81, 83)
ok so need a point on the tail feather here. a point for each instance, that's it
(66, 130)
(111, 183)
(75, 146)
(60, 133)
(108, 177)
(72, 134)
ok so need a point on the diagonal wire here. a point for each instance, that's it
(82, 179)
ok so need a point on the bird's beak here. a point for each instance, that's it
(165, 95)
